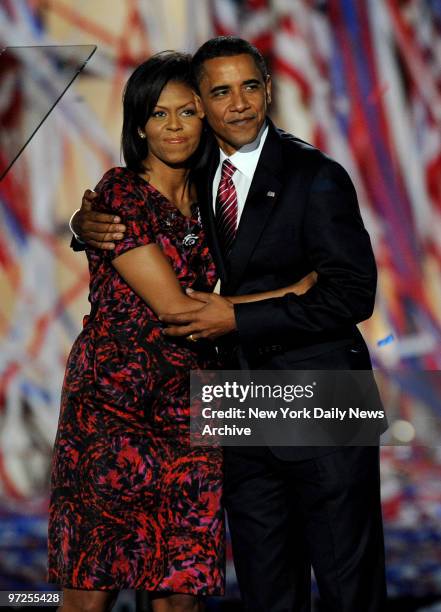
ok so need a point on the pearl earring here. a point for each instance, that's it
(141, 134)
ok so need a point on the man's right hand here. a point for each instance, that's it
(97, 229)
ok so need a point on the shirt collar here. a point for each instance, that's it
(245, 159)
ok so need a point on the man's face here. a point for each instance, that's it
(235, 99)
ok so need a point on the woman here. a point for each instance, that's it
(132, 504)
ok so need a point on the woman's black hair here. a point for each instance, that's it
(141, 95)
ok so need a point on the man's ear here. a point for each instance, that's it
(199, 106)
(268, 89)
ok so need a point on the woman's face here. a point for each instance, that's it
(174, 128)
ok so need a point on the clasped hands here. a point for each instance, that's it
(215, 318)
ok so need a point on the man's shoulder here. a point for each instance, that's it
(295, 152)
(296, 146)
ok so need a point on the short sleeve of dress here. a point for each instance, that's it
(121, 193)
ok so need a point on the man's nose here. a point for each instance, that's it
(239, 101)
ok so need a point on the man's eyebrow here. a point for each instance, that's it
(247, 82)
(219, 88)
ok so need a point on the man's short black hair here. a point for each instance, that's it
(226, 46)
(141, 95)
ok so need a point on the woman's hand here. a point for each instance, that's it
(303, 285)
(299, 288)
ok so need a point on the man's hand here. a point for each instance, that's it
(97, 229)
(215, 318)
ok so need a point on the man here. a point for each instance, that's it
(277, 209)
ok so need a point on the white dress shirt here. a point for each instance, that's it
(245, 160)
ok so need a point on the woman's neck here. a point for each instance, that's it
(172, 182)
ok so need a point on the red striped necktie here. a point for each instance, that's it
(226, 208)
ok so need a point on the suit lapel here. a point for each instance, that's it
(262, 198)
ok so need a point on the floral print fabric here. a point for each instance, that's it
(133, 505)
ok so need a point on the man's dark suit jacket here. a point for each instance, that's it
(301, 214)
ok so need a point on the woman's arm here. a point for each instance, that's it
(149, 273)
(298, 288)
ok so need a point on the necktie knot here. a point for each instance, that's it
(227, 169)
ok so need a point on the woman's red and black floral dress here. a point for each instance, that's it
(133, 505)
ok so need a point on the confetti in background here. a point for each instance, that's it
(360, 79)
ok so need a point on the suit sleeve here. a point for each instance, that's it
(339, 249)
(75, 245)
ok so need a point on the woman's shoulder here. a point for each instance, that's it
(120, 176)
(121, 187)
